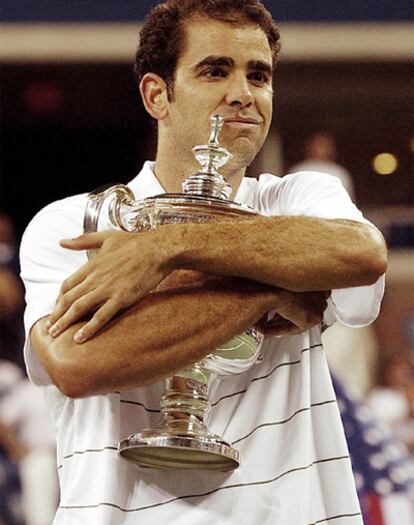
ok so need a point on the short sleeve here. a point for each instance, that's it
(317, 195)
(45, 265)
(321, 195)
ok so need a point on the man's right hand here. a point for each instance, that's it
(125, 269)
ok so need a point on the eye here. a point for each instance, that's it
(214, 73)
(259, 77)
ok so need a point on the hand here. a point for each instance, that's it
(126, 268)
(275, 326)
(300, 312)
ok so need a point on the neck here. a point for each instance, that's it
(172, 167)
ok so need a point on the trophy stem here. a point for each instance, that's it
(185, 404)
(182, 439)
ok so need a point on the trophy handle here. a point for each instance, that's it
(121, 194)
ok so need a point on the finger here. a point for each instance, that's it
(87, 241)
(67, 296)
(275, 326)
(75, 312)
(265, 321)
(75, 280)
(105, 313)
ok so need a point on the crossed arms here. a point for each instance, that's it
(132, 337)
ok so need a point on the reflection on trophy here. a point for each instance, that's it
(182, 439)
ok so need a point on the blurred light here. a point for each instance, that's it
(43, 97)
(385, 163)
(412, 144)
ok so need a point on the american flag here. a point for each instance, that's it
(383, 468)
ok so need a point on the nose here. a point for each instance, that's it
(239, 92)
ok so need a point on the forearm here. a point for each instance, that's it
(296, 253)
(163, 333)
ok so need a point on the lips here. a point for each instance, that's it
(242, 120)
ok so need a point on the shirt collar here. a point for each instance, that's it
(245, 192)
(146, 184)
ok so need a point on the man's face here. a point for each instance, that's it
(225, 70)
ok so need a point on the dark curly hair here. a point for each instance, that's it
(162, 37)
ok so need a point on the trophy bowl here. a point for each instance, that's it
(182, 439)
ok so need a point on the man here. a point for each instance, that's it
(108, 342)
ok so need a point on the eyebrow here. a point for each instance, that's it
(260, 65)
(213, 60)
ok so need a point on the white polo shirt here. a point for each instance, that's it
(281, 415)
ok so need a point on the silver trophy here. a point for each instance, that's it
(182, 439)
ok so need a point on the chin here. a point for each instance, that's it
(238, 163)
(244, 152)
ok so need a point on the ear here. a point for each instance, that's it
(154, 95)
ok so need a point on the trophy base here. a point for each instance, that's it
(178, 451)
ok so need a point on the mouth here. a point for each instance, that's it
(242, 121)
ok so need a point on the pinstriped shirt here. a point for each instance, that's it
(281, 414)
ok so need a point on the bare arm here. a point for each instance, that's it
(296, 253)
(163, 333)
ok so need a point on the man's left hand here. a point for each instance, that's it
(302, 311)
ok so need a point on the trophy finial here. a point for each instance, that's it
(208, 182)
(217, 122)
